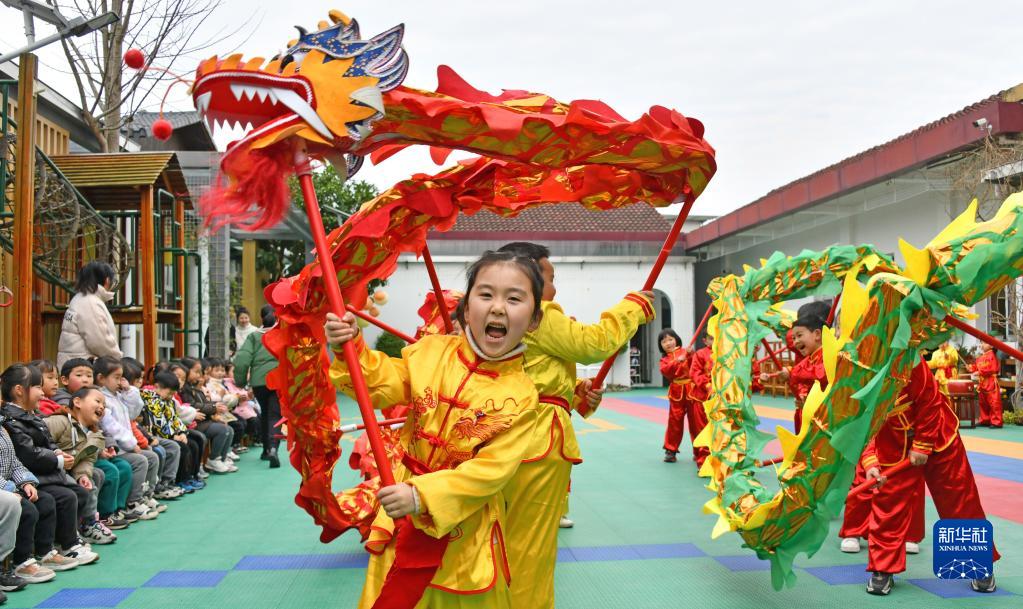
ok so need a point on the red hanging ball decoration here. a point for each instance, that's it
(134, 59)
(162, 129)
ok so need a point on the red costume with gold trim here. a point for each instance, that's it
(699, 370)
(922, 421)
(988, 391)
(804, 374)
(681, 405)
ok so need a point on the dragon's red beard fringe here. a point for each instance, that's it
(259, 196)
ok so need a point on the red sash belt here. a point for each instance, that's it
(417, 556)
(557, 401)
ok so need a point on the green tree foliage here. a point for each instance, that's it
(390, 344)
(276, 259)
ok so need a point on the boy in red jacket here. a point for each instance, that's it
(987, 367)
(923, 428)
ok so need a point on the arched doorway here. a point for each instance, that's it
(644, 355)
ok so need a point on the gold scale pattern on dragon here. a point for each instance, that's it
(888, 316)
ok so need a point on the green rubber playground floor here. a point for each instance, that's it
(640, 540)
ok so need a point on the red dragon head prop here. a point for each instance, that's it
(321, 94)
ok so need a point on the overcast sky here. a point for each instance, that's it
(783, 88)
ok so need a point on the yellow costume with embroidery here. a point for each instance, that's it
(469, 425)
(536, 494)
(944, 362)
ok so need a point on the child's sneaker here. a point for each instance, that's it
(565, 523)
(198, 484)
(880, 583)
(155, 505)
(168, 493)
(203, 474)
(241, 450)
(55, 561)
(9, 582)
(141, 511)
(217, 466)
(82, 554)
(114, 522)
(126, 515)
(94, 534)
(233, 455)
(106, 531)
(33, 572)
(231, 467)
(850, 545)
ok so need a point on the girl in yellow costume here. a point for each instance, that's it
(473, 413)
(536, 493)
(944, 363)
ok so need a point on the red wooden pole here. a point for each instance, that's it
(376, 322)
(384, 423)
(834, 309)
(772, 354)
(655, 271)
(337, 306)
(442, 305)
(699, 328)
(888, 473)
(774, 461)
(991, 340)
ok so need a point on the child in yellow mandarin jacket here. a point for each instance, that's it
(472, 416)
(943, 363)
(536, 493)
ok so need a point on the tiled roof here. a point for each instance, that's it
(177, 119)
(569, 220)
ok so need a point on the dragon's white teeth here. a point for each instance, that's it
(302, 108)
(262, 94)
(370, 96)
(202, 103)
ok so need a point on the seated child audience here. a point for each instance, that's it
(34, 446)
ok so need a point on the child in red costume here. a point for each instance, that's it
(987, 367)
(922, 427)
(699, 371)
(675, 366)
(806, 339)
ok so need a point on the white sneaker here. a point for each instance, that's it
(565, 523)
(231, 467)
(34, 573)
(155, 505)
(82, 554)
(850, 545)
(912, 548)
(203, 474)
(217, 466)
(233, 456)
(56, 561)
(142, 511)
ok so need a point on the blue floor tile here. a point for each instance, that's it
(744, 562)
(71, 598)
(668, 550)
(840, 575)
(948, 588)
(303, 561)
(185, 579)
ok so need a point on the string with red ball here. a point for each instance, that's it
(136, 60)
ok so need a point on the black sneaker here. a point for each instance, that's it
(880, 583)
(127, 516)
(986, 585)
(669, 457)
(3, 598)
(9, 582)
(265, 456)
(115, 522)
(275, 461)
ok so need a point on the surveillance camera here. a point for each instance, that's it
(980, 123)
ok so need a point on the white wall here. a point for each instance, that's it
(586, 286)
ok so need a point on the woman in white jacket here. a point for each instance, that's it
(88, 330)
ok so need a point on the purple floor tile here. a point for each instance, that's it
(302, 561)
(604, 553)
(565, 555)
(744, 562)
(949, 588)
(185, 579)
(72, 598)
(841, 574)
